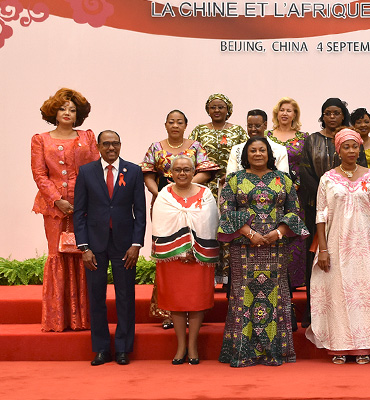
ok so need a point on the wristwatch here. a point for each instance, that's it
(83, 247)
(280, 235)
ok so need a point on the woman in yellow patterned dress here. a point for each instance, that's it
(218, 137)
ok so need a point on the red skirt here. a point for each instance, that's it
(184, 287)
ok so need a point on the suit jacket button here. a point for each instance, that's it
(64, 184)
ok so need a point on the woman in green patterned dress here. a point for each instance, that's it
(259, 214)
(217, 138)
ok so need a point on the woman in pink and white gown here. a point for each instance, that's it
(340, 281)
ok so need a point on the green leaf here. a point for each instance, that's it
(31, 271)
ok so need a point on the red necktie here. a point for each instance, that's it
(110, 180)
(110, 186)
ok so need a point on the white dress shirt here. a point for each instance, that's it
(278, 150)
(115, 169)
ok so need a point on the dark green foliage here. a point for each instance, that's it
(27, 272)
(145, 271)
(31, 271)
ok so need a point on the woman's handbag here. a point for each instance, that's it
(67, 241)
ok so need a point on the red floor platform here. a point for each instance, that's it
(22, 340)
(42, 366)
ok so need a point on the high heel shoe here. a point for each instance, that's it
(179, 361)
(339, 360)
(167, 324)
(193, 361)
(362, 360)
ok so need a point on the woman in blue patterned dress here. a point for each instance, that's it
(259, 215)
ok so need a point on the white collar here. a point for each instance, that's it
(105, 164)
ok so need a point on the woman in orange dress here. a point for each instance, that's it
(55, 159)
(186, 250)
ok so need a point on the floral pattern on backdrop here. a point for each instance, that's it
(95, 13)
(14, 10)
(142, 16)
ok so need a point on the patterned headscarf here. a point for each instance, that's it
(225, 99)
(346, 134)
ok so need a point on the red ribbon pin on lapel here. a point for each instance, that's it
(121, 180)
(364, 187)
(278, 181)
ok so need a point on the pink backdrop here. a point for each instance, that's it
(132, 80)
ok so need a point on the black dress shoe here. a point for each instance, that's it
(101, 358)
(193, 361)
(167, 324)
(122, 358)
(179, 361)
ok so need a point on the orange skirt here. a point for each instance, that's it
(184, 287)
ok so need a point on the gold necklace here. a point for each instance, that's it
(218, 129)
(175, 147)
(348, 173)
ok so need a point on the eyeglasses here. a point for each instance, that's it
(255, 126)
(184, 170)
(214, 108)
(106, 145)
(333, 113)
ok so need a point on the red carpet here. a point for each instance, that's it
(56, 365)
(309, 379)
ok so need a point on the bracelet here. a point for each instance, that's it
(252, 234)
(280, 235)
(323, 251)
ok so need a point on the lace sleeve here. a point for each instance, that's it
(40, 172)
(321, 202)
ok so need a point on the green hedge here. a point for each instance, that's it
(31, 271)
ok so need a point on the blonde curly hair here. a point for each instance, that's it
(296, 123)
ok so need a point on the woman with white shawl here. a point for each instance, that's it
(185, 221)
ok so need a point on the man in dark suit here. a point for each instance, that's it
(109, 223)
